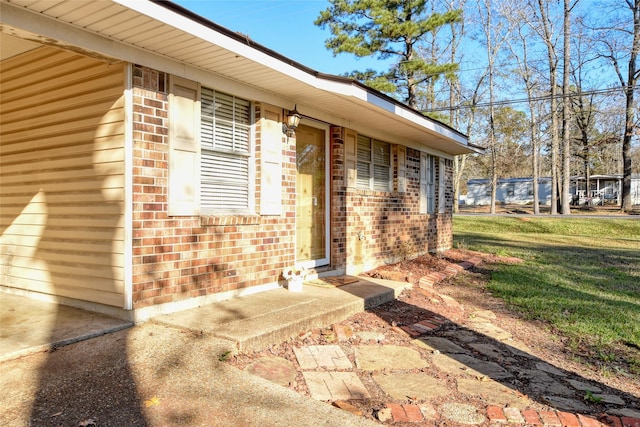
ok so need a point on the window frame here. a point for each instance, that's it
(209, 155)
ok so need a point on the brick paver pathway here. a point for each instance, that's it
(328, 374)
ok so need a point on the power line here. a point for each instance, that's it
(523, 100)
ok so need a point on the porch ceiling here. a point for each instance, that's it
(171, 31)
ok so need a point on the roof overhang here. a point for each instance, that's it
(177, 41)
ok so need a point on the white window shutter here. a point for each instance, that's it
(184, 147)
(424, 182)
(271, 161)
(351, 157)
(441, 186)
(402, 168)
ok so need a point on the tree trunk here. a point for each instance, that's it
(492, 130)
(566, 115)
(552, 60)
(629, 127)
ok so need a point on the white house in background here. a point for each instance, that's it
(603, 189)
(515, 191)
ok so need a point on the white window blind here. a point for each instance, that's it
(226, 153)
(364, 162)
(374, 164)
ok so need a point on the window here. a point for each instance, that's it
(226, 153)
(373, 164)
(511, 190)
(427, 184)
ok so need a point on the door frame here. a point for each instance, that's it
(327, 203)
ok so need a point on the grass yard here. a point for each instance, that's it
(582, 275)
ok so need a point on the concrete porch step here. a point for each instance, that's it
(256, 322)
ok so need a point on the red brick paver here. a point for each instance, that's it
(419, 327)
(429, 324)
(568, 420)
(496, 415)
(531, 417)
(409, 331)
(588, 421)
(630, 422)
(549, 418)
(405, 413)
(397, 412)
(453, 269)
(413, 413)
(612, 421)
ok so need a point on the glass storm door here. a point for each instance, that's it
(312, 234)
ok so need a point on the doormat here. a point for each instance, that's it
(332, 282)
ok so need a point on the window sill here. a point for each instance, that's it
(225, 220)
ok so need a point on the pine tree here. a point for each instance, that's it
(388, 29)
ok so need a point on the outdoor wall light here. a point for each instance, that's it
(293, 120)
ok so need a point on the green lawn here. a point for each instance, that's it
(581, 275)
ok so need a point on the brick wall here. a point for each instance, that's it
(370, 228)
(175, 258)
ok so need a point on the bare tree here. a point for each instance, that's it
(566, 110)
(592, 142)
(544, 27)
(457, 33)
(630, 127)
(490, 28)
(519, 48)
(616, 32)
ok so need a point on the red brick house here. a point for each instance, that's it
(145, 167)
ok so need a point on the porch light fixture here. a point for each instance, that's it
(293, 120)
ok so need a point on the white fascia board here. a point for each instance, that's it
(417, 119)
(210, 35)
(432, 125)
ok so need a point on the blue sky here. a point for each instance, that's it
(285, 26)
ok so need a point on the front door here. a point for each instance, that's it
(312, 234)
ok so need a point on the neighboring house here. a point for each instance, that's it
(635, 189)
(602, 189)
(519, 191)
(516, 191)
(145, 167)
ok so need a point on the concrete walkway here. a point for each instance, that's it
(28, 325)
(255, 322)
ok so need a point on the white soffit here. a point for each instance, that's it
(172, 32)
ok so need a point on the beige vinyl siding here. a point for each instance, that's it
(62, 175)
